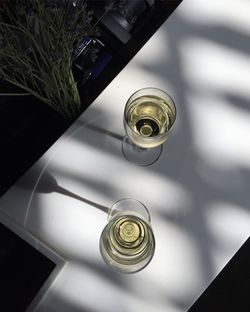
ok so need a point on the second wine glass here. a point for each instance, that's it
(127, 242)
(149, 117)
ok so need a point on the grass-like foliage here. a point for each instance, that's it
(37, 40)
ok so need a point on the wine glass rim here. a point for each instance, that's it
(153, 88)
(131, 199)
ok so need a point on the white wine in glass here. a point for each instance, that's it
(127, 242)
(149, 117)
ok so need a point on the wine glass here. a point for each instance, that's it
(127, 242)
(149, 117)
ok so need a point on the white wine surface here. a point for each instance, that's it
(127, 242)
(148, 120)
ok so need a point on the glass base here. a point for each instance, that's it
(138, 155)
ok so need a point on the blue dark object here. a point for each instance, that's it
(89, 59)
(82, 46)
(102, 61)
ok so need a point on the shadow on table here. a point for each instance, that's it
(48, 184)
(106, 132)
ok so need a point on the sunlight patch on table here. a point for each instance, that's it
(223, 12)
(210, 66)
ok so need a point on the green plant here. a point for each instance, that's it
(37, 39)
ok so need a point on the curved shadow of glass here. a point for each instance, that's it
(48, 184)
(106, 132)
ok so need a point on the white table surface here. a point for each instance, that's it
(197, 193)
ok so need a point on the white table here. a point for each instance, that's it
(197, 193)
